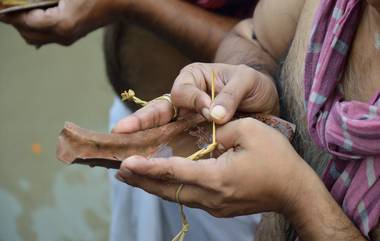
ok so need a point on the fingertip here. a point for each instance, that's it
(218, 113)
(39, 19)
(133, 162)
(126, 125)
(117, 129)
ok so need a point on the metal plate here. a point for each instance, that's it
(43, 4)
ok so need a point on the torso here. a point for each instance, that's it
(360, 81)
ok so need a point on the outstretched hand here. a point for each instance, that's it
(245, 179)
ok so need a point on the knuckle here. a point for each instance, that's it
(192, 66)
(216, 203)
(228, 193)
(219, 202)
(167, 172)
(196, 70)
(156, 118)
(176, 94)
(196, 101)
(228, 97)
(162, 111)
(249, 74)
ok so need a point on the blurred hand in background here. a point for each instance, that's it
(65, 23)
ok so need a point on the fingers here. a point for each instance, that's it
(156, 113)
(180, 170)
(236, 87)
(42, 20)
(190, 195)
(39, 27)
(190, 89)
(36, 20)
(36, 38)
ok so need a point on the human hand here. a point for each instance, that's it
(258, 171)
(237, 88)
(65, 23)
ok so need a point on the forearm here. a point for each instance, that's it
(315, 214)
(196, 31)
(241, 47)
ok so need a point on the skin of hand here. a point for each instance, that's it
(242, 180)
(237, 88)
(258, 171)
(63, 24)
(180, 22)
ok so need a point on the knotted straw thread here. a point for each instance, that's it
(14, 2)
(130, 95)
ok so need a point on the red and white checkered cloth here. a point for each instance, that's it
(349, 130)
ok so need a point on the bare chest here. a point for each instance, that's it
(360, 81)
(361, 78)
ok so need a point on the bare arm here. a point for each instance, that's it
(246, 49)
(315, 214)
(260, 43)
(193, 29)
(262, 40)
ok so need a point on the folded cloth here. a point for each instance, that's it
(349, 130)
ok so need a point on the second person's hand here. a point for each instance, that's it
(65, 23)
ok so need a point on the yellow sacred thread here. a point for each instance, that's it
(14, 2)
(130, 95)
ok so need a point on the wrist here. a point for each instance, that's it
(306, 204)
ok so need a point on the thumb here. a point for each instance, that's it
(229, 98)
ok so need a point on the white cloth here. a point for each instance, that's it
(139, 216)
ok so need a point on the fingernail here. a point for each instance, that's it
(206, 113)
(131, 162)
(218, 112)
